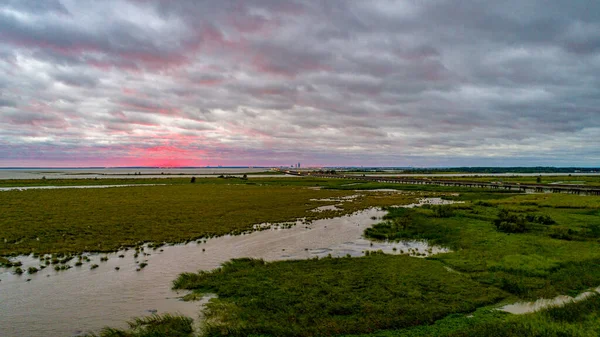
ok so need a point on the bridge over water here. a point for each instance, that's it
(540, 188)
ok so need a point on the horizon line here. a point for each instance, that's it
(285, 166)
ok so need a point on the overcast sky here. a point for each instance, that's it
(374, 83)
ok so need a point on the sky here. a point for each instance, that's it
(325, 83)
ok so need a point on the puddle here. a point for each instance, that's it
(339, 199)
(529, 307)
(432, 201)
(326, 208)
(573, 183)
(65, 303)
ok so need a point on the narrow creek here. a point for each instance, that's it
(79, 300)
(521, 308)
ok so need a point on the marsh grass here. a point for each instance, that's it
(102, 220)
(579, 319)
(6, 263)
(62, 267)
(381, 295)
(286, 298)
(152, 326)
(332, 296)
(529, 265)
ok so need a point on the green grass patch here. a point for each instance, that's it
(580, 319)
(536, 262)
(152, 326)
(332, 296)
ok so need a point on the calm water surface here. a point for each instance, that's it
(116, 173)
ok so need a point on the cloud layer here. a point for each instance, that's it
(391, 83)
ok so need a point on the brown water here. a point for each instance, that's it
(67, 303)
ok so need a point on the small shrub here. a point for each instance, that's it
(94, 266)
(66, 259)
(545, 220)
(510, 223)
(562, 233)
(541, 219)
(32, 270)
(62, 267)
(155, 325)
(442, 211)
(593, 231)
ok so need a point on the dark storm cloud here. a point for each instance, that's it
(332, 82)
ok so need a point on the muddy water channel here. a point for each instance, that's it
(82, 299)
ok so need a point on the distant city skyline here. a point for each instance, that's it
(122, 83)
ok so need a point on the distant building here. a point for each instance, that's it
(298, 164)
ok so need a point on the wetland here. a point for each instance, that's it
(260, 261)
